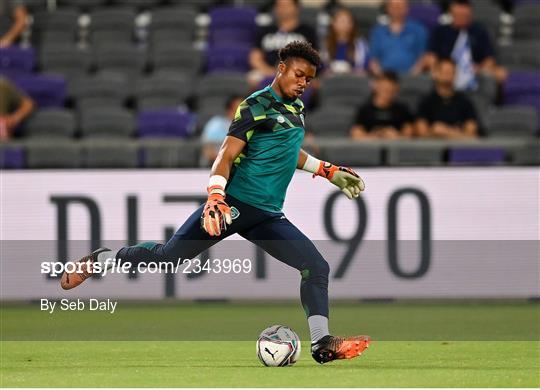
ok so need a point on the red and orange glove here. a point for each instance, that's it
(345, 178)
(217, 213)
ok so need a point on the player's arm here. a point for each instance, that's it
(302, 158)
(345, 178)
(217, 213)
(229, 151)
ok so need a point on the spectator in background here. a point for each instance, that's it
(287, 28)
(344, 50)
(506, 5)
(398, 46)
(15, 106)
(382, 116)
(13, 17)
(468, 43)
(216, 130)
(445, 113)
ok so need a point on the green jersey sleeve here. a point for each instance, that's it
(249, 115)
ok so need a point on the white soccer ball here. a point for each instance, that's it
(278, 346)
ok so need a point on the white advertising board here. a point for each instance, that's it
(415, 233)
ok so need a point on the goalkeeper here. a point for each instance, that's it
(246, 192)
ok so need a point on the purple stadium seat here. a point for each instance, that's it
(46, 90)
(11, 74)
(228, 36)
(522, 83)
(17, 60)
(232, 25)
(523, 89)
(233, 58)
(165, 123)
(12, 157)
(427, 14)
(477, 156)
(228, 16)
(524, 100)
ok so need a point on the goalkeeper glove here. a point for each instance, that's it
(345, 178)
(217, 213)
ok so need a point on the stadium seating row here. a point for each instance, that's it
(122, 16)
(232, 26)
(175, 87)
(107, 94)
(104, 80)
(512, 121)
(69, 60)
(67, 25)
(88, 5)
(515, 121)
(171, 153)
(109, 123)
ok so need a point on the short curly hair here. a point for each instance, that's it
(300, 49)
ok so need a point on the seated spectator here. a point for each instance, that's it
(382, 116)
(344, 51)
(15, 107)
(398, 46)
(13, 17)
(216, 130)
(445, 113)
(287, 28)
(468, 43)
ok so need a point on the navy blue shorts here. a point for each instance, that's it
(273, 232)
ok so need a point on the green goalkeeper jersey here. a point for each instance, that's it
(273, 130)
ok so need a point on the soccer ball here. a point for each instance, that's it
(278, 346)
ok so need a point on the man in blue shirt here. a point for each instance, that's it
(399, 45)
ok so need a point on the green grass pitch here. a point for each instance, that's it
(213, 345)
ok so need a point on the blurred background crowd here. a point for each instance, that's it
(129, 83)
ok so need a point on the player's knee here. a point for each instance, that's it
(316, 269)
(323, 268)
